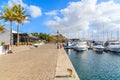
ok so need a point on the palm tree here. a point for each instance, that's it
(8, 15)
(20, 17)
(2, 27)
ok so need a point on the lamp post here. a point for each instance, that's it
(57, 39)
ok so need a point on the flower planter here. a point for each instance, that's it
(2, 50)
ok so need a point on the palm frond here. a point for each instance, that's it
(2, 28)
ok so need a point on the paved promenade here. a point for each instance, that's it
(64, 63)
(34, 64)
(42, 63)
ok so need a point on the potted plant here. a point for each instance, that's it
(2, 49)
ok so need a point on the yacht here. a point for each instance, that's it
(90, 44)
(81, 46)
(98, 46)
(113, 46)
(70, 45)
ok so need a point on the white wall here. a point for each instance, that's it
(5, 37)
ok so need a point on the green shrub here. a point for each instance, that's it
(2, 43)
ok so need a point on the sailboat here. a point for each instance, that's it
(113, 46)
(98, 45)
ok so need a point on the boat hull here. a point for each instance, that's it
(98, 49)
(80, 49)
(114, 49)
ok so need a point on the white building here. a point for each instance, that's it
(24, 37)
(5, 37)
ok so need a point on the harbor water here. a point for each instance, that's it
(91, 65)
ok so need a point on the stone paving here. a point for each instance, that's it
(34, 64)
(64, 63)
(42, 63)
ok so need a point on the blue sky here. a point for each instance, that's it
(70, 17)
(37, 24)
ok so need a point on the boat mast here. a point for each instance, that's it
(118, 35)
(92, 35)
(111, 35)
(103, 33)
(107, 36)
(97, 35)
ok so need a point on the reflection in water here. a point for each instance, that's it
(91, 65)
(69, 51)
(114, 53)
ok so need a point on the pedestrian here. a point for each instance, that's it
(61, 45)
(57, 45)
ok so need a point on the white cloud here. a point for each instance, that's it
(34, 11)
(54, 12)
(11, 2)
(85, 15)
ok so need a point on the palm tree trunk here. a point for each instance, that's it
(11, 37)
(18, 27)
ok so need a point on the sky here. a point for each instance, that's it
(73, 18)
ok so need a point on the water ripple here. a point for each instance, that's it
(96, 66)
